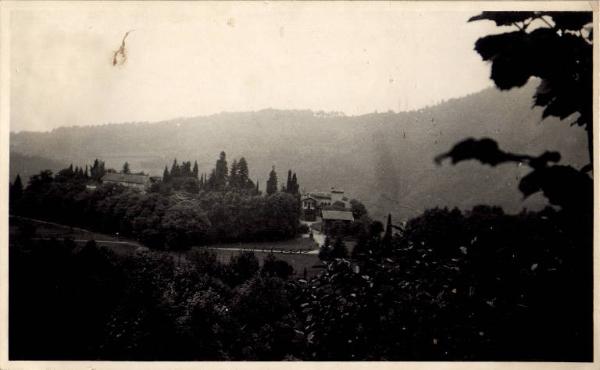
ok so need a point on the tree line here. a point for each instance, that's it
(162, 218)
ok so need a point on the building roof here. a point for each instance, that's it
(308, 197)
(126, 178)
(338, 215)
(320, 195)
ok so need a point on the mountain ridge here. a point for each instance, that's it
(384, 159)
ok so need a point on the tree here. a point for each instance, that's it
(166, 176)
(195, 170)
(234, 180)
(211, 183)
(98, 170)
(221, 172)
(339, 249)
(358, 209)
(387, 237)
(175, 170)
(244, 174)
(242, 267)
(288, 184)
(272, 182)
(203, 181)
(295, 187)
(557, 48)
(15, 192)
(126, 168)
(190, 185)
(274, 267)
(553, 46)
(184, 225)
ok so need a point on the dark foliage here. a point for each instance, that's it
(553, 46)
(162, 218)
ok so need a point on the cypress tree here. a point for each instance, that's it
(195, 170)
(295, 186)
(166, 176)
(234, 180)
(212, 180)
(125, 168)
(288, 185)
(186, 169)
(221, 172)
(174, 169)
(244, 173)
(97, 170)
(272, 182)
(16, 190)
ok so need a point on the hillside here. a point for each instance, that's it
(28, 165)
(384, 159)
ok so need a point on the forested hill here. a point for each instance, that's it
(384, 159)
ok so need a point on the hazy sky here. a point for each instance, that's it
(198, 59)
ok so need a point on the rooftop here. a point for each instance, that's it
(125, 177)
(338, 215)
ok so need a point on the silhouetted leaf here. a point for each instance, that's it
(573, 21)
(503, 18)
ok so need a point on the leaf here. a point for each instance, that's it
(485, 150)
(573, 21)
(562, 185)
(503, 18)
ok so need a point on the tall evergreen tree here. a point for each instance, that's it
(195, 170)
(98, 170)
(295, 186)
(234, 180)
(166, 175)
(85, 174)
(186, 169)
(288, 184)
(211, 184)
(244, 174)
(272, 182)
(16, 189)
(221, 172)
(175, 169)
(126, 168)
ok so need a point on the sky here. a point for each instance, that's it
(191, 59)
